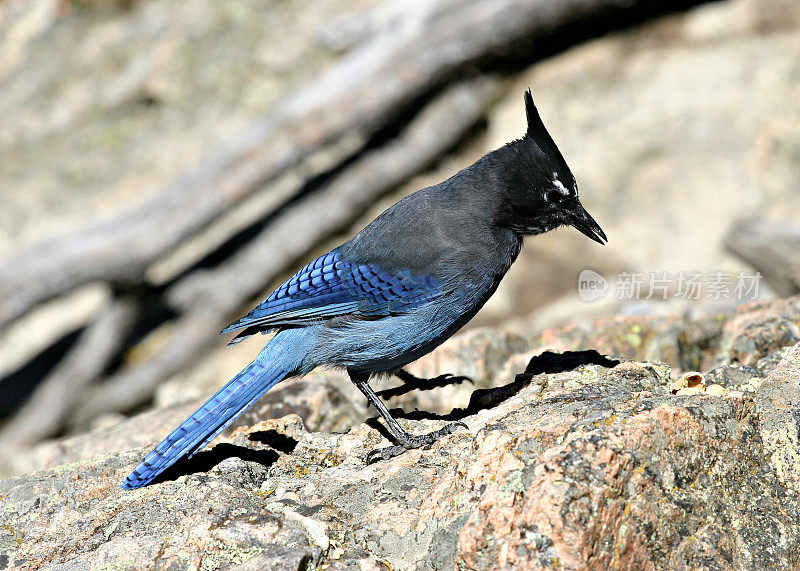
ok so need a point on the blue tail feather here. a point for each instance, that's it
(270, 367)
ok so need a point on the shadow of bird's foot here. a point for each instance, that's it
(433, 382)
(411, 382)
(448, 379)
(412, 441)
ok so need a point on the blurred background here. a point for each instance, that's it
(165, 164)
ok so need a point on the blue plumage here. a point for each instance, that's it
(330, 287)
(396, 290)
(272, 365)
(205, 423)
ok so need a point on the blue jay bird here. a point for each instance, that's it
(405, 283)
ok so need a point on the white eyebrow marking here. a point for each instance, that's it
(560, 186)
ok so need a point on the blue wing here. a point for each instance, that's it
(330, 287)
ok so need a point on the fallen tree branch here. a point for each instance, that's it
(45, 411)
(772, 248)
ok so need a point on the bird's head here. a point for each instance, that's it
(543, 191)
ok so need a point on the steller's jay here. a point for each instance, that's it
(398, 289)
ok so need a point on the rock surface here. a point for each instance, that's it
(590, 466)
(578, 461)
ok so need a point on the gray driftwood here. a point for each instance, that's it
(771, 247)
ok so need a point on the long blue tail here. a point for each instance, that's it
(273, 364)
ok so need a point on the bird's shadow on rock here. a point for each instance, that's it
(275, 440)
(481, 399)
(206, 460)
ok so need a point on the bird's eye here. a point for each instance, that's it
(553, 196)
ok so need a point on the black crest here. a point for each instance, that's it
(537, 133)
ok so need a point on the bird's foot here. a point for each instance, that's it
(408, 441)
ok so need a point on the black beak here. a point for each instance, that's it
(578, 218)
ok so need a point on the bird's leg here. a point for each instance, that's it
(405, 439)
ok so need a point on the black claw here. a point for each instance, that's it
(413, 441)
(384, 454)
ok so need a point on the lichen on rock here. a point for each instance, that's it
(594, 465)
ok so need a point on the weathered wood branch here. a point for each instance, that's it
(45, 411)
(772, 248)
